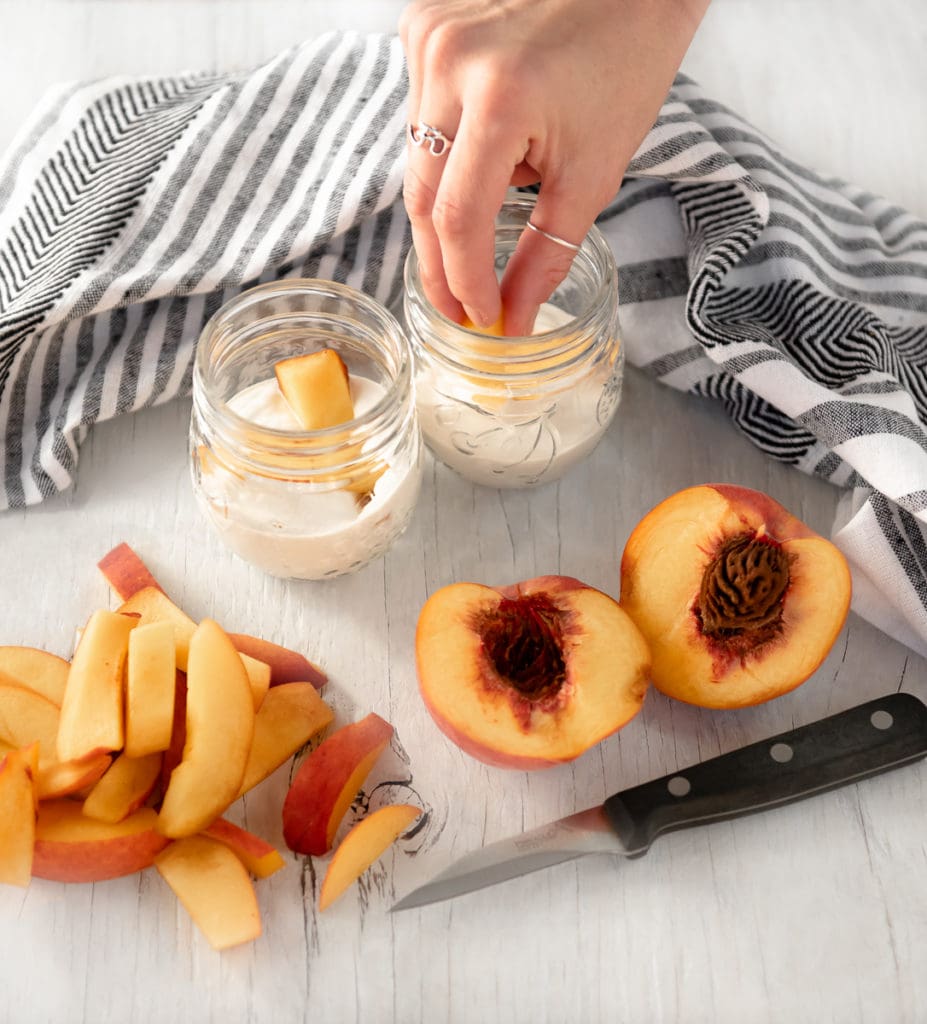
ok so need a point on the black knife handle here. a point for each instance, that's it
(871, 738)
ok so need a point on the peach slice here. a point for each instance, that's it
(219, 730)
(45, 673)
(125, 572)
(286, 666)
(316, 388)
(739, 600)
(328, 780)
(17, 815)
(151, 604)
(174, 752)
(258, 856)
(70, 847)
(64, 778)
(126, 785)
(92, 709)
(290, 716)
(26, 717)
(529, 675)
(150, 674)
(497, 328)
(365, 843)
(213, 886)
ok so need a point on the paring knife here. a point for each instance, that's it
(874, 737)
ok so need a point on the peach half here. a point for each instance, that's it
(739, 600)
(529, 675)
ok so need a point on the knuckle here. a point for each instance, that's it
(406, 24)
(444, 44)
(552, 272)
(452, 221)
(418, 196)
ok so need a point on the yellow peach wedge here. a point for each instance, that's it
(151, 604)
(37, 670)
(219, 731)
(92, 712)
(316, 388)
(127, 784)
(17, 815)
(327, 782)
(213, 886)
(150, 676)
(365, 843)
(70, 847)
(258, 856)
(290, 716)
(26, 717)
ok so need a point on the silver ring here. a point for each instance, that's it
(554, 238)
(426, 134)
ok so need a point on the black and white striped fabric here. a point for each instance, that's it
(131, 209)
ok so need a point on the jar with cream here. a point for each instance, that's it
(296, 502)
(518, 412)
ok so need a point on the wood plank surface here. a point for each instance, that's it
(816, 912)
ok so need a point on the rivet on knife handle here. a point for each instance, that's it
(852, 745)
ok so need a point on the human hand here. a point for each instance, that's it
(560, 92)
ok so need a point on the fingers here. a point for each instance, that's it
(420, 193)
(472, 190)
(424, 171)
(539, 264)
(425, 168)
(452, 199)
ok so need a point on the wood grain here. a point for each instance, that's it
(812, 913)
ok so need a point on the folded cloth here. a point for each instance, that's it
(130, 209)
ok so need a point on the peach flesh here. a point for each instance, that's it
(739, 600)
(529, 675)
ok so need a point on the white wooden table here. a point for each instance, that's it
(815, 912)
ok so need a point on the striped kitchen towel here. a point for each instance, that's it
(131, 209)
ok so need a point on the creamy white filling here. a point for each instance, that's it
(502, 440)
(264, 405)
(307, 530)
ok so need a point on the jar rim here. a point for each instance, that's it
(594, 247)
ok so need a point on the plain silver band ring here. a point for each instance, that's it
(426, 134)
(554, 238)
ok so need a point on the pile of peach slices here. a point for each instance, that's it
(129, 755)
(727, 600)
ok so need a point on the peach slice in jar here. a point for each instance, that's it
(316, 387)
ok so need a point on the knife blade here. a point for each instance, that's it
(874, 737)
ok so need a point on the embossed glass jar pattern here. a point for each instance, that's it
(296, 503)
(519, 412)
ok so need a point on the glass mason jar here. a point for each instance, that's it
(296, 503)
(517, 412)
